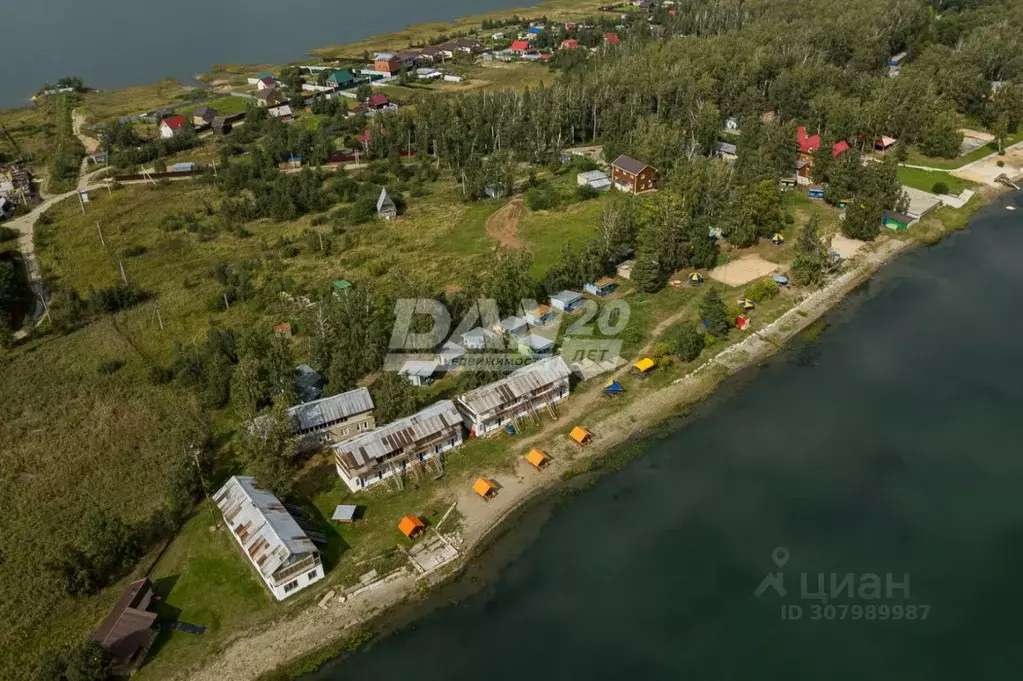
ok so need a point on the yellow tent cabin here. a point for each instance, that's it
(580, 435)
(643, 366)
(411, 526)
(538, 459)
(484, 488)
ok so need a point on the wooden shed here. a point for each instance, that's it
(484, 488)
(539, 460)
(411, 526)
(580, 435)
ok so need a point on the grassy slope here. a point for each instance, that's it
(925, 180)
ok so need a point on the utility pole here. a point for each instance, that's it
(81, 202)
(227, 305)
(101, 239)
(124, 277)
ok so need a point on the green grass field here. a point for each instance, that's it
(918, 159)
(926, 179)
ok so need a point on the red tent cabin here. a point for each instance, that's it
(378, 101)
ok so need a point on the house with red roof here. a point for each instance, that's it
(520, 47)
(169, 127)
(378, 101)
(839, 149)
(807, 143)
(612, 38)
(569, 44)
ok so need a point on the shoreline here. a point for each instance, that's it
(320, 634)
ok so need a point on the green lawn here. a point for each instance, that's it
(224, 106)
(925, 180)
(918, 159)
(547, 232)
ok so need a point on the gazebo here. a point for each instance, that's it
(411, 526)
(538, 459)
(484, 488)
(580, 435)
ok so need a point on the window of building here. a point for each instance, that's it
(313, 575)
(291, 586)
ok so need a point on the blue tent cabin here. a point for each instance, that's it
(817, 193)
(695, 278)
(777, 239)
(613, 388)
(781, 280)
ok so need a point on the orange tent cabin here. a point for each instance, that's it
(484, 488)
(580, 435)
(538, 459)
(411, 526)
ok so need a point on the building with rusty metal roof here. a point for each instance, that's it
(328, 420)
(285, 558)
(525, 393)
(399, 448)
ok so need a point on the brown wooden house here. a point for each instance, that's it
(630, 175)
(130, 629)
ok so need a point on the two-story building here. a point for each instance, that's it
(524, 393)
(285, 558)
(388, 451)
(630, 175)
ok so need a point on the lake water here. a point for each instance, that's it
(117, 43)
(889, 445)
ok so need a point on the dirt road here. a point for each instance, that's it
(504, 224)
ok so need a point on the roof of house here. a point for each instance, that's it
(269, 94)
(269, 81)
(451, 351)
(605, 281)
(726, 148)
(886, 141)
(405, 55)
(593, 176)
(431, 51)
(540, 310)
(512, 323)
(536, 457)
(174, 122)
(483, 487)
(569, 44)
(535, 342)
(340, 77)
(332, 409)
(807, 143)
(521, 382)
(127, 627)
(383, 56)
(520, 46)
(839, 148)
(629, 165)
(409, 524)
(384, 200)
(280, 111)
(900, 217)
(420, 368)
(645, 364)
(394, 437)
(344, 512)
(264, 74)
(378, 100)
(204, 112)
(478, 333)
(269, 534)
(567, 296)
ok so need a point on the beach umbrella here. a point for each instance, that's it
(695, 278)
(746, 303)
(781, 280)
(778, 239)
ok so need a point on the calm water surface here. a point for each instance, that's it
(891, 445)
(117, 43)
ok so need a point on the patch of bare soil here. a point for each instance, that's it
(504, 224)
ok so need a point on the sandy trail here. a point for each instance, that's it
(256, 651)
(504, 224)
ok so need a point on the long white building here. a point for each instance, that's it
(379, 454)
(285, 558)
(524, 393)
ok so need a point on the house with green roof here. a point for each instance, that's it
(341, 79)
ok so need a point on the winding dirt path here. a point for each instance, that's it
(504, 224)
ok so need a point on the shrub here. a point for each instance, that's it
(133, 251)
(689, 343)
(159, 375)
(540, 199)
(112, 367)
(586, 192)
(939, 188)
(758, 291)
(8, 234)
(1000, 164)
